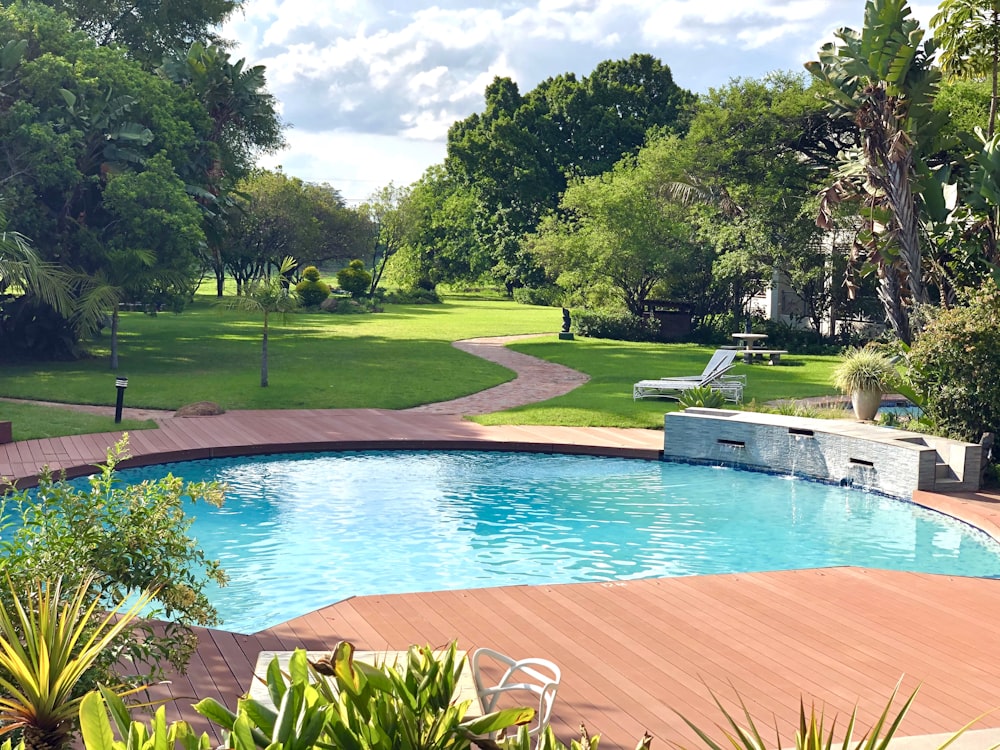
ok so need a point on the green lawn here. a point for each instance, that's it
(399, 358)
(396, 359)
(613, 366)
(29, 421)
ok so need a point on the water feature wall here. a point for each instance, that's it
(895, 462)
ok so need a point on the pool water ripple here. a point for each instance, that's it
(299, 532)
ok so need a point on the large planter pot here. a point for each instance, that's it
(866, 404)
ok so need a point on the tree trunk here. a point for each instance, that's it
(889, 295)
(996, 59)
(263, 356)
(114, 337)
(904, 210)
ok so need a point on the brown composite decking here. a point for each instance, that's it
(632, 652)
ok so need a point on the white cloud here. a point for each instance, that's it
(398, 75)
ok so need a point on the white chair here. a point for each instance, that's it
(538, 677)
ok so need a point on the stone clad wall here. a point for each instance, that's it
(895, 462)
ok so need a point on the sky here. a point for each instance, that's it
(369, 88)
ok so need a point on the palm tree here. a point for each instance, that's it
(21, 270)
(968, 32)
(266, 296)
(883, 78)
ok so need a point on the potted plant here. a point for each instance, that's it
(864, 374)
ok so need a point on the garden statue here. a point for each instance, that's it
(564, 334)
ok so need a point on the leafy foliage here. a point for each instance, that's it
(120, 539)
(312, 290)
(954, 366)
(268, 296)
(354, 279)
(621, 326)
(883, 78)
(385, 707)
(48, 643)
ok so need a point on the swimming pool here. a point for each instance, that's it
(301, 531)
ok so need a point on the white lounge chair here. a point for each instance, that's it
(536, 677)
(713, 376)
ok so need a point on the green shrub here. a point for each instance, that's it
(349, 306)
(543, 296)
(954, 366)
(414, 296)
(621, 326)
(125, 538)
(354, 279)
(311, 290)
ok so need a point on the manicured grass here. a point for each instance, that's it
(613, 366)
(29, 421)
(396, 359)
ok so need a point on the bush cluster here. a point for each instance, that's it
(621, 326)
(414, 296)
(312, 290)
(954, 366)
(543, 296)
(354, 279)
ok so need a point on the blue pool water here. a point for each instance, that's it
(301, 531)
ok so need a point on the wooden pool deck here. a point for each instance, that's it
(632, 652)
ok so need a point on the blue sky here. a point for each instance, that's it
(370, 87)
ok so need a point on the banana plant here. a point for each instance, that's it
(361, 707)
(47, 645)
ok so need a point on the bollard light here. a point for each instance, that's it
(121, 384)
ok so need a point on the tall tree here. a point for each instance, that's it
(147, 28)
(387, 213)
(244, 124)
(151, 241)
(516, 155)
(968, 33)
(884, 79)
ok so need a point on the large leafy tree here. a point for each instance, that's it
(517, 154)
(387, 218)
(73, 116)
(968, 33)
(244, 124)
(883, 78)
(152, 241)
(619, 227)
(147, 28)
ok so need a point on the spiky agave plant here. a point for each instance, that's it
(46, 647)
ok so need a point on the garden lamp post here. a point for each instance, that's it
(121, 384)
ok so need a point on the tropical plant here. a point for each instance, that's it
(268, 296)
(47, 645)
(813, 731)
(385, 707)
(704, 397)
(883, 78)
(864, 369)
(98, 732)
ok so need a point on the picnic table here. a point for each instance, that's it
(751, 346)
